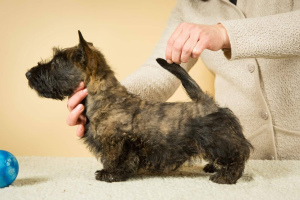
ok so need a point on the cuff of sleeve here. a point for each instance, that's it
(230, 54)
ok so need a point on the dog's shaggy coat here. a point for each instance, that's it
(128, 133)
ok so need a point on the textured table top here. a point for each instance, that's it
(73, 178)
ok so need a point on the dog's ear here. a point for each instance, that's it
(82, 42)
(84, 49)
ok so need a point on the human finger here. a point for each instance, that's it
(178, 46)
(80, 130)
(198, 49)
(73, 117)
(188, 48)
(171, 41)
(76, 98)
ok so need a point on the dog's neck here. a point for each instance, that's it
(100, 81)
(105, 90)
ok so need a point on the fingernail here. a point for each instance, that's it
(85, 90)
(80, 108)
(169, 61)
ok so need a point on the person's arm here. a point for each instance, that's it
(274, 36)
(150, 81)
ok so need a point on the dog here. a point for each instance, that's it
(129, 134)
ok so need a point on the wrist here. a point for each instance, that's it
(226, 41)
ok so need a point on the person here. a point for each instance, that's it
(252, 47)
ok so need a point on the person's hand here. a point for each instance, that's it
(189, 40)
(76, 117)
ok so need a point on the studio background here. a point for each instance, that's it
(125, 32)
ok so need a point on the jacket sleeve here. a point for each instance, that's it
(150, 81)
(274, 36)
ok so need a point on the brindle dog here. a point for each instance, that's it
(128, 133)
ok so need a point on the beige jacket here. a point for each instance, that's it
(259, 78)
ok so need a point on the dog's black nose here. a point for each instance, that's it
(28, 74)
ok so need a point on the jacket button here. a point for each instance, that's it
(264, 115)
(251, 68)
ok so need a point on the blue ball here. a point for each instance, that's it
(9, 168)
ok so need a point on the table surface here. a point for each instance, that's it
(73, 178)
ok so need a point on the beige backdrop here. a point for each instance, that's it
(125, 31)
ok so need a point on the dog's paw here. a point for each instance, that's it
(222, 179)
(103, 175)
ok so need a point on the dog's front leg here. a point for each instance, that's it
(114, 171)
(120, 162)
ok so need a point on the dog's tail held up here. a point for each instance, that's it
(191, 87)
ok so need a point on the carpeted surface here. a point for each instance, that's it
(52, 178)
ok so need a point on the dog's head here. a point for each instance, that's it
(60, 76)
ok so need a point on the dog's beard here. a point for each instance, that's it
(50, 84)
(44, 89)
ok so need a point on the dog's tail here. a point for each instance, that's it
(192, 88)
